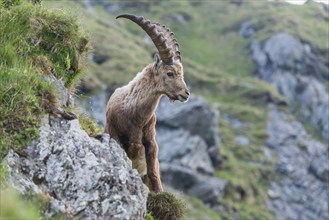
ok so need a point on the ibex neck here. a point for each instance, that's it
(143, 93)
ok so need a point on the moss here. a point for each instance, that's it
(165, 206)
(88, 125)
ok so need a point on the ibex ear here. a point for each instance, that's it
(157, 61)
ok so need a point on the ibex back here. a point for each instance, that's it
(130, 116)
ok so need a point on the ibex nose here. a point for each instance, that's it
(187, 92)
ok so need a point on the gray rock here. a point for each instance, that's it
(242, 140)
(298, 74)
(283, 50)
(257, 53)
(246, 29)
(320, 167)
(180, 147)
(234, 123)
(86, 178)
(300, 189)
(64, 98)
(178, 177)
(188, 139)
(195, 116)
(207, 188)
(210, 190)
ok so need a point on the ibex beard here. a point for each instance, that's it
(130, 115)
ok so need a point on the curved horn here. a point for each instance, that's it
(161, 36)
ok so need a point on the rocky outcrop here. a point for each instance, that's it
(188, 139)
(85, 178)
(300, 189)
(298, 75)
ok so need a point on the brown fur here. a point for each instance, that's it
(130, 117)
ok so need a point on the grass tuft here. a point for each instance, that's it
(89, 125)
(149, 216)
(165, 206)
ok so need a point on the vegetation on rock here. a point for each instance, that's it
(89, 125)
(35, 41)
(165, 206)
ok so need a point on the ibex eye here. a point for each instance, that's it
(170, 74)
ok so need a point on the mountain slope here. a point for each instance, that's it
(218, 65)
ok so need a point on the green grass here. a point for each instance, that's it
(149, 216)
(197, 210)
(88, 125)
(40, 35)
(245, 167)
(22, 95)
(34, 41)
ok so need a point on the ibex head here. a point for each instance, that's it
(167, 67)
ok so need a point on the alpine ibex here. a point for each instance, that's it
(130, 115)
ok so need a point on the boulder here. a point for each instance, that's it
(85, 178)
(196, 117)
(207, 188)
(178, 177)
(188, 139)
(284, 50)
(180, 147)
(246, 29)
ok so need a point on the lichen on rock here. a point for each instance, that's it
(84, 177)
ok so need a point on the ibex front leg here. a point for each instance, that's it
(136, 153)
(152, 180)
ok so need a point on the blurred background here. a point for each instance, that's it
(253, 140)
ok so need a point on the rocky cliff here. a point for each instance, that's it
(44, 152)
(82, 177)
(298, 74)
(300, 187)
(189, 139)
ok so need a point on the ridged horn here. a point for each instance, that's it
(161, 36)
